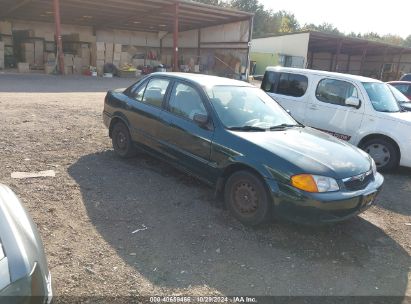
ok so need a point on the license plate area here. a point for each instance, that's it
(368, 200)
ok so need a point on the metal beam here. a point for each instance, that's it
(59, 42)
(175, 36)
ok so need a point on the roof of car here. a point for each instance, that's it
(400, 82)
(204, 80)
(322, 73)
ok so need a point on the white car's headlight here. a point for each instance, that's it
(314, 183)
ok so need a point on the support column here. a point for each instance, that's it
(175, 36)
(384, 60)
(250, 37)
(337, 55)
(364, 53)
(348, 64)
(198, 46)
(397, 72)
(59, 42)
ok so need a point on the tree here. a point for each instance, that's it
(407, 41)
(287, 22)
(324, 27)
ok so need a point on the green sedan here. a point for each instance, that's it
(237, 139)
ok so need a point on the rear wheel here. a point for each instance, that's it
(121, 140)
(247, 199)
(383, 152)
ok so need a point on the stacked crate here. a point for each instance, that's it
(39, 53)
(100, 56)
(109, 53)
(117, 54)
(27, 52)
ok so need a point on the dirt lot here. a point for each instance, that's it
(87, 213)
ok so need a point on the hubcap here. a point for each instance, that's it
(245, 198)
(379, 153)
(121, 141)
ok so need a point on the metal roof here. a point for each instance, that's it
(135, 15)
(323, 42)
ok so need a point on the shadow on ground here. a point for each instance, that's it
(399, 184)
(188, 242)
(40, 83)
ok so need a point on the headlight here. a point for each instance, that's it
(374, 167)
(314, 183)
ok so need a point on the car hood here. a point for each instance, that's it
(312, 151)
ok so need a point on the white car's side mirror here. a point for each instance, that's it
(353, 102)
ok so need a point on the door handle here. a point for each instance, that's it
(313, 107)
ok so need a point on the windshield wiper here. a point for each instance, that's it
(283, 126)
(247, 128)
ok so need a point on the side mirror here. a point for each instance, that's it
(200, 119)
(353, 102)
(288, 111)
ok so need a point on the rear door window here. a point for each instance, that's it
(186, 102)
(287, 84)
(155, 91)
(292, 85)
(335, 91)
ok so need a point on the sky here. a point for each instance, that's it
(382, 17)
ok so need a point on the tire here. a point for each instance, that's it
(383, 152)
(121, 141)
(247, 198)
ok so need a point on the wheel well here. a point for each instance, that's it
(113, 122)
(229, 171)
(376, 136)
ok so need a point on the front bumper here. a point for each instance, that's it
(317, 208)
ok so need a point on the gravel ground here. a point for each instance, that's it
(187, 245)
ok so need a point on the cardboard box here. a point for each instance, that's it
(39, 52)
(23, 67)
(117, 48)
(125, 58)
(100, 46)
(101, 55)
(117, 56)
(85, 57)
(110, 48)
(5, 27)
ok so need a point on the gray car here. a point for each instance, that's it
(24, 275)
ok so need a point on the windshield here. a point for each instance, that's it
(242, 107)
(400, 97)
(381, 97)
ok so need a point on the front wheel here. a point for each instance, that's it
(383, 152)
(247, 199)
(121, 140)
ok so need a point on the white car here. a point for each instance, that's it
(360, 110)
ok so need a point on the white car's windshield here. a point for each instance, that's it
(248, 108)
(381, 97)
